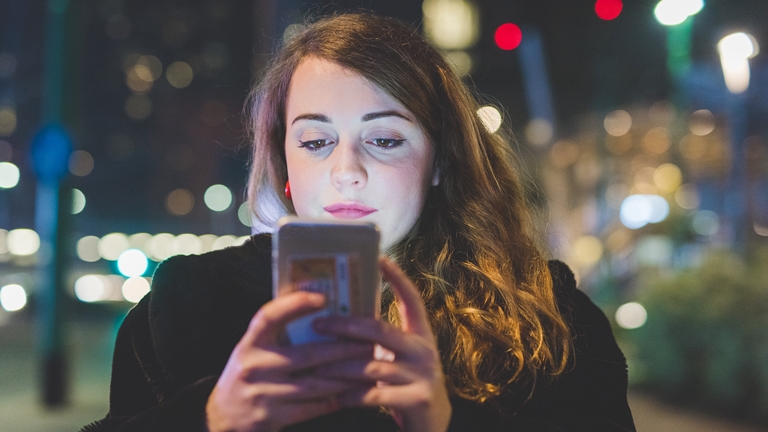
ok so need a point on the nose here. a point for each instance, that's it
(348, 169)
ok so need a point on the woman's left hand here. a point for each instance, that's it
(412, 384)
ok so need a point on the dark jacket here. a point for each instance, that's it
(173, 345)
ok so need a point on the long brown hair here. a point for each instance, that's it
(472, 254)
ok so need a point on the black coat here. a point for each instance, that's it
(174, 344)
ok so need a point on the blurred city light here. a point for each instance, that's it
(631, 315)
(135, 288)
(9, 175)
(180, 202)
(13, 297)
(80, 163)
(218, 197)
(139, 241)
(132, 263)
(179, 74)
(92, 288)
(461, 61)
(588, 250)
(608, 9)
(706, 222)
(88, 249)
(138, 106)
(112, 245)
(78, 201)
(639, 210)
(23, 242)
(657, 140)
(674, 12)
(244, 215)
(564, 153)
(451, 24)
(735, 51)
(160, 246)
(667, 177)
(617, 123)
(687, 196)
(508, 36)
(490, 117)
(7, 121)
(539, 131)
(701, 122)
(3, 241)
(187, 244)
(224, 241)
(761, 230)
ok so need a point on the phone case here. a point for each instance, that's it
(338, 259)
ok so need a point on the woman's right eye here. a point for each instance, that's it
(315, 145)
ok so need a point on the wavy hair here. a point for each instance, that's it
(472, 253)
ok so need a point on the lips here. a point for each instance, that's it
(349, 210)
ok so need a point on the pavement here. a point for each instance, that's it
(90, 352)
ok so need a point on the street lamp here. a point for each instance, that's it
(735, 51)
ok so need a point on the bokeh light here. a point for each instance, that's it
(631, 315)
(6, 151)
(92, 288)
(693, 147)
(539, 131)
(23, 242)
(138, 107)
(608, 9)
(490, 117)
(617, 123)
(701, 122)
(187, 244)
(180, 202)
(706, 222)
(639, 210)
(224, 241)
(667, 177)
(7, 121)
(78, 201)
(218, 197)
(88, 249)
(761, 230)
(139, 241)
(588, 250)
(132, 263)
(13, 297)
(687, 196)
(160, 246)
(657, 140)
(112, 245)
(179, 74)
(80, 163)
(461, 62)
(244, 215)
(451, 25)
(508, 36)
(9, 175)
(135, 288)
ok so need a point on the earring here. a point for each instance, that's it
(288, 190)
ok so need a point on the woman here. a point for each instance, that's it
(358, 117)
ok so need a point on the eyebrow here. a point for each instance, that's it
(368, 117)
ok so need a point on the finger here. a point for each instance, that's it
(375, 331)
(305, 410)
(397, 397)
(369, 371)
(269, 321)
(269, 363)
(412, 310)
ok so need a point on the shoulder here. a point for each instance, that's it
(200, 305)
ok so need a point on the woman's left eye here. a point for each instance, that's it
(386, 143)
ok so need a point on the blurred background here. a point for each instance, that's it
(642, 127)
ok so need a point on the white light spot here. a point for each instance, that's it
(88, 249)
(640, 209)
(224, 241)
(9, 175)
(13, 297)
(78, 201)
(160, 246)
(617, 123)
(23, 242)
(112, 245)
(490, 117)
(135, 288)
(132, 263)
(706, 222)
(631, 315)
(218, 197)
(187, 244)
(672, 12)
(91, 288)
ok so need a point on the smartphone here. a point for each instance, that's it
(336, 258)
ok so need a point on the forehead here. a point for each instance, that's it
(319, 85)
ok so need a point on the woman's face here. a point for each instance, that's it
(353, 152)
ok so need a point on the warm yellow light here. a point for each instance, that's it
(588, 250)
(617, 123)
(667, 177)
(451, 24)
(179, 74)
(7, 121)
(180, 202)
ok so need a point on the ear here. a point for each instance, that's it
(436, 171)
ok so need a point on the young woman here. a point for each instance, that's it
(359, 118)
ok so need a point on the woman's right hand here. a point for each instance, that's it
(266, 386)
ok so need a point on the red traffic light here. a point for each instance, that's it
(508, 36)
(608, 9)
